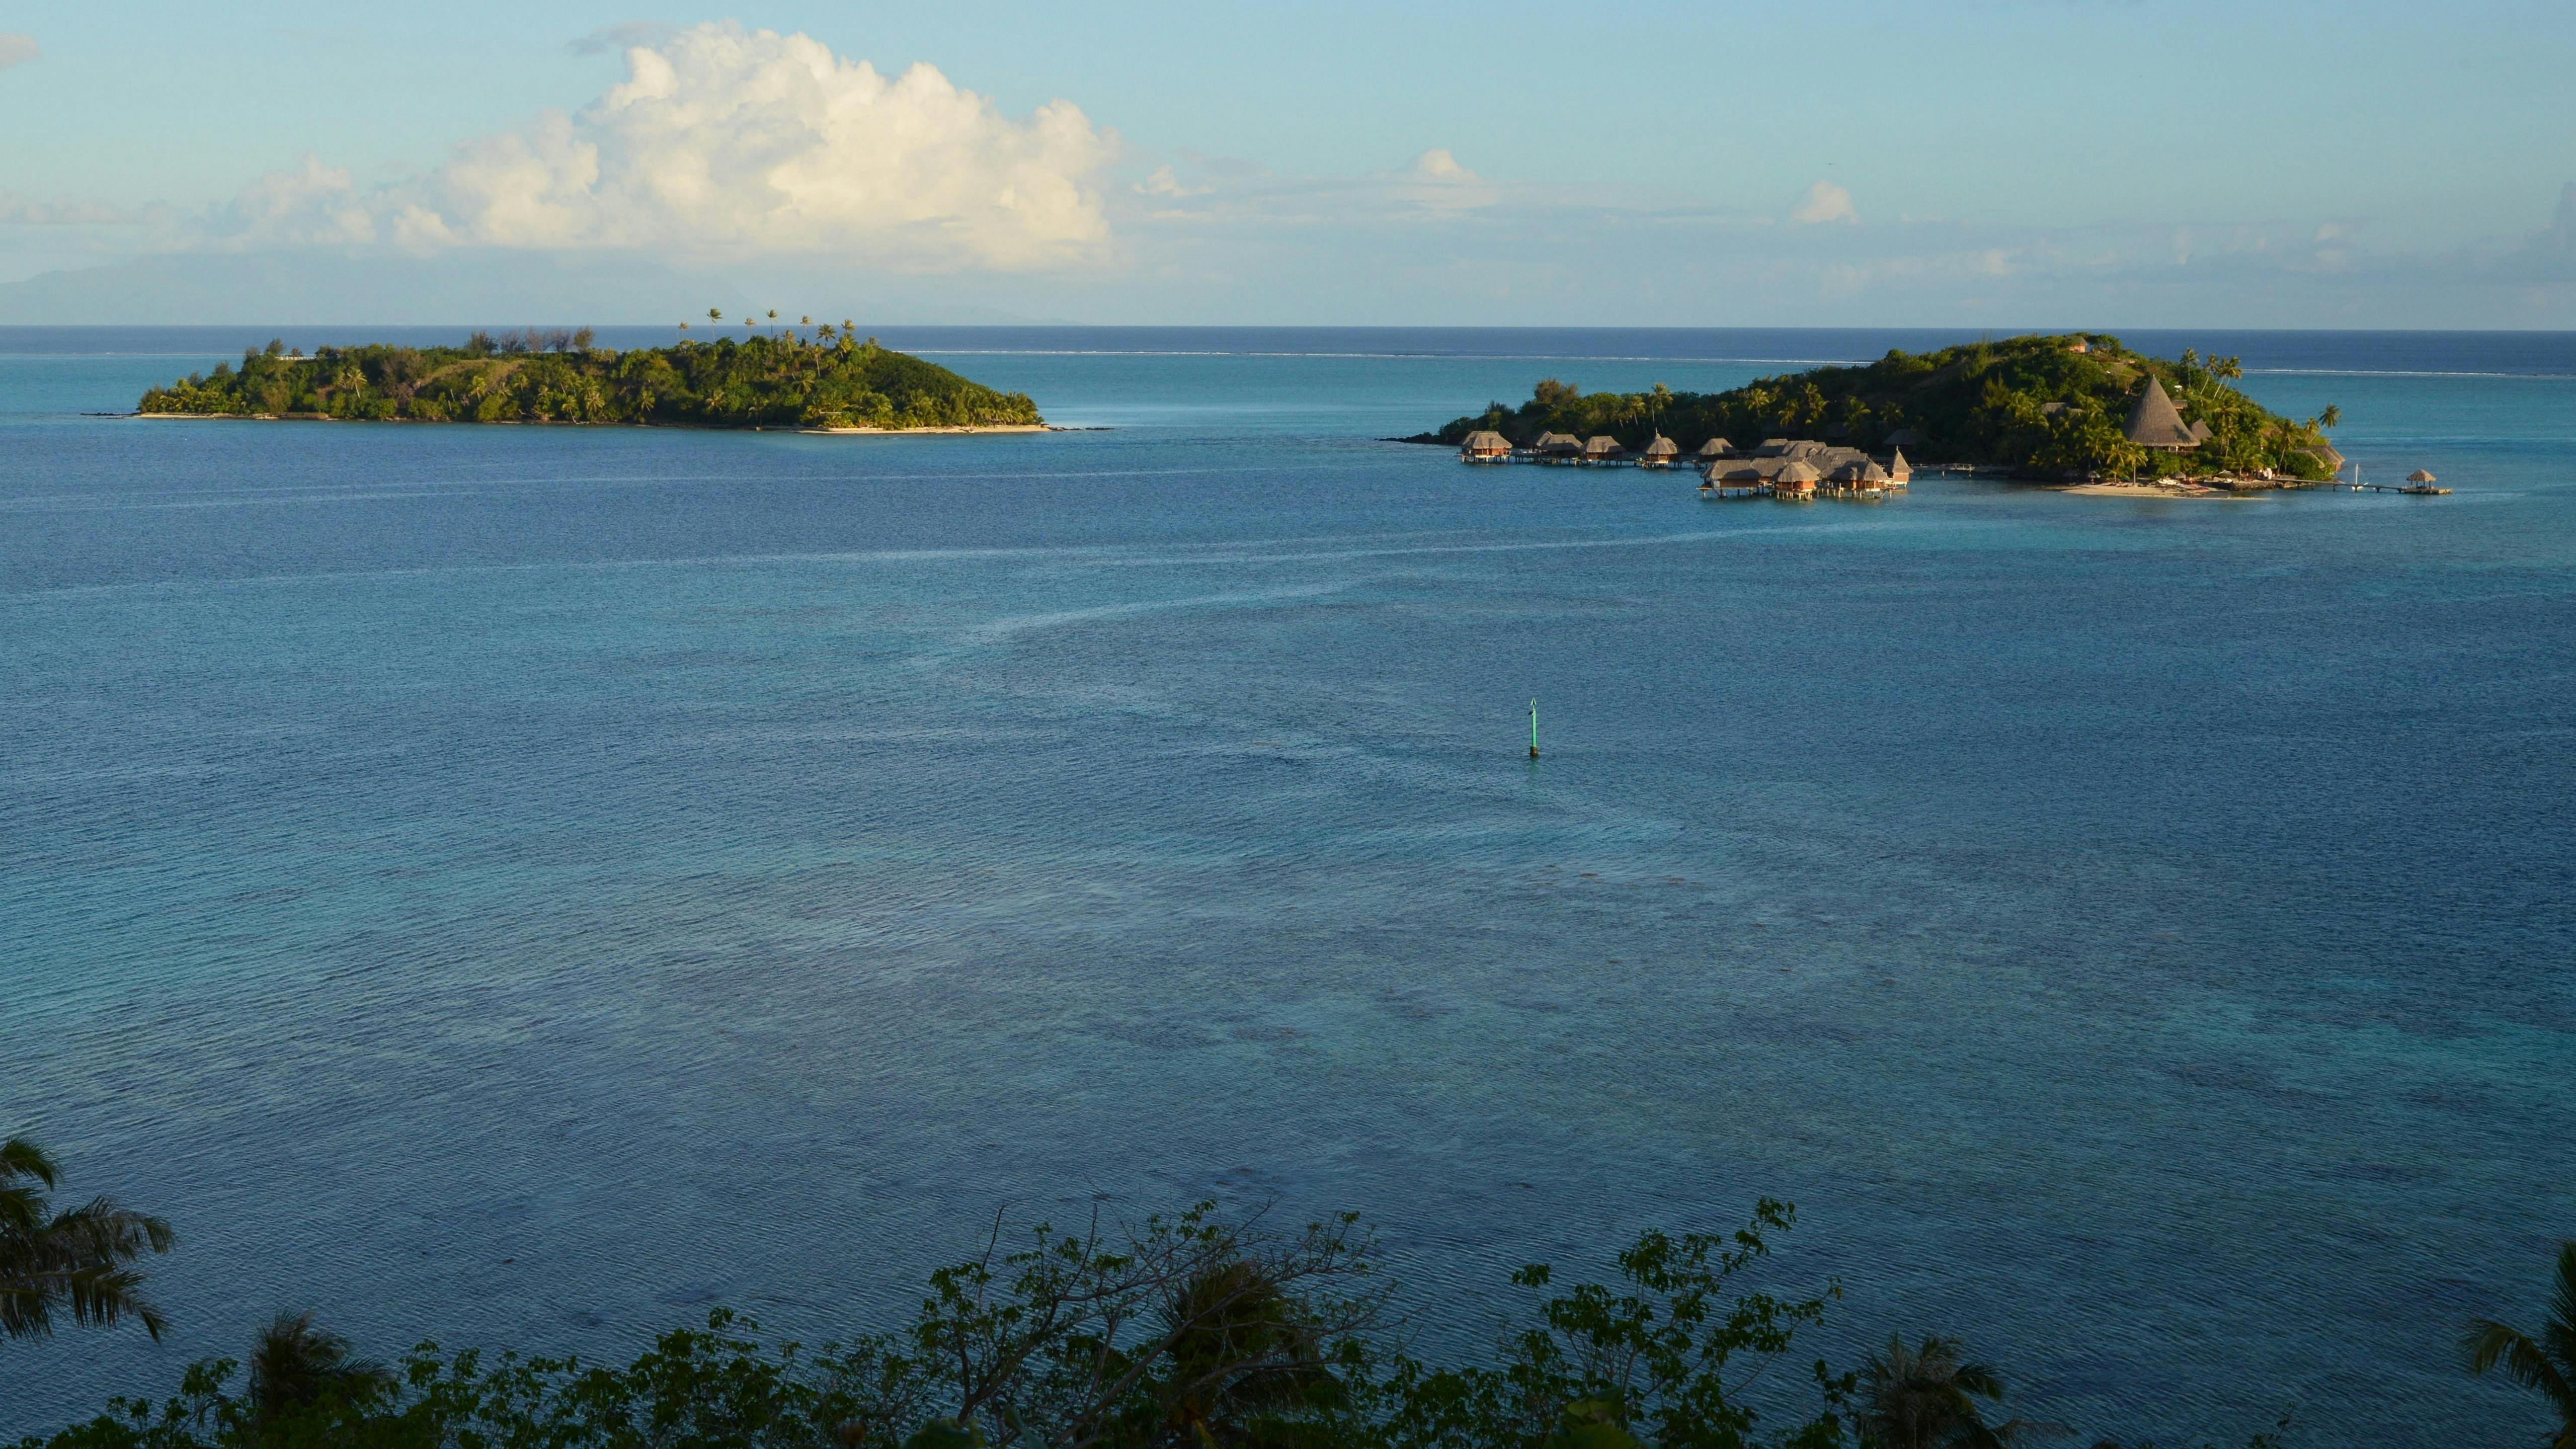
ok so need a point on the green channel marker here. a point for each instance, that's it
(1533, 729)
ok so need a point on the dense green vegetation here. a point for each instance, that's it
(827, 378)
(1195, 1332)
(1988, 403)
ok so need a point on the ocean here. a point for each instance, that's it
(524, 886)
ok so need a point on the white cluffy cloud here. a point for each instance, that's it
(723, 141)
(16, 49)
(1824, 202)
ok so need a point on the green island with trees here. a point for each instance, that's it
(1199, 1331)
(2052, 407)
(826, 378)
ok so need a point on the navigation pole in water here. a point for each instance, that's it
(1533, 729)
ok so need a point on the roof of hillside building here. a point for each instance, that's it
(2327, 454)
(2154, 422)
(1772, 448)
(1903, 436)
(2200, 430)
(1716, 448)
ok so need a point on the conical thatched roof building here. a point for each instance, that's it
(2420, 475)
(1716, 448)
(2155, 423)
(1662, 450)
(1898, 470)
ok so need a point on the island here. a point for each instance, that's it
(2074, 408)
(825, 380)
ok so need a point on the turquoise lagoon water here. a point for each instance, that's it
(528, 885)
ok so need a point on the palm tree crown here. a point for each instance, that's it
(294, 1365)
(78, 1260)
(1925, 1397)
(2546, 1362)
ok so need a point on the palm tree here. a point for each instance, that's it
(76, 1260)
(1926, 1397)
(2546, 1363)
(2330, 417)
(294, 1365)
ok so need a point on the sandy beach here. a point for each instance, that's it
(2145, 490)
(892, 432)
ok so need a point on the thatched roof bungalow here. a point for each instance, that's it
(2420, 475)
(1602, 448)
(1485, 446)
(1716, 448)
(1661, 452)
(2155, 424)
(1797, 480)
(1558, 445)
(1899, 472)
(1861, 477)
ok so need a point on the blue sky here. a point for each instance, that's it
(2006, 162)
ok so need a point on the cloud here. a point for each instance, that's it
(1824, 202)
(311, 203)
(624, 35)
(1438, 166)
(1437, 183)
(723, 142)
(1166, 182)
(21, 211)
(17, 49)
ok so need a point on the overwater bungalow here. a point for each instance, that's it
(1602, 448)
(1663, 452)
(1715, 448)
(1485, 447)
(1557, 447)
(1860, 477)
(1742, 479)
(1797, 480)
(1899, 472)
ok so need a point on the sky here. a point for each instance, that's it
(1839, 162)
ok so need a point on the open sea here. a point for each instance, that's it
(522, 886)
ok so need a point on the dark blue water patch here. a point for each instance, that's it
(522, 884)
